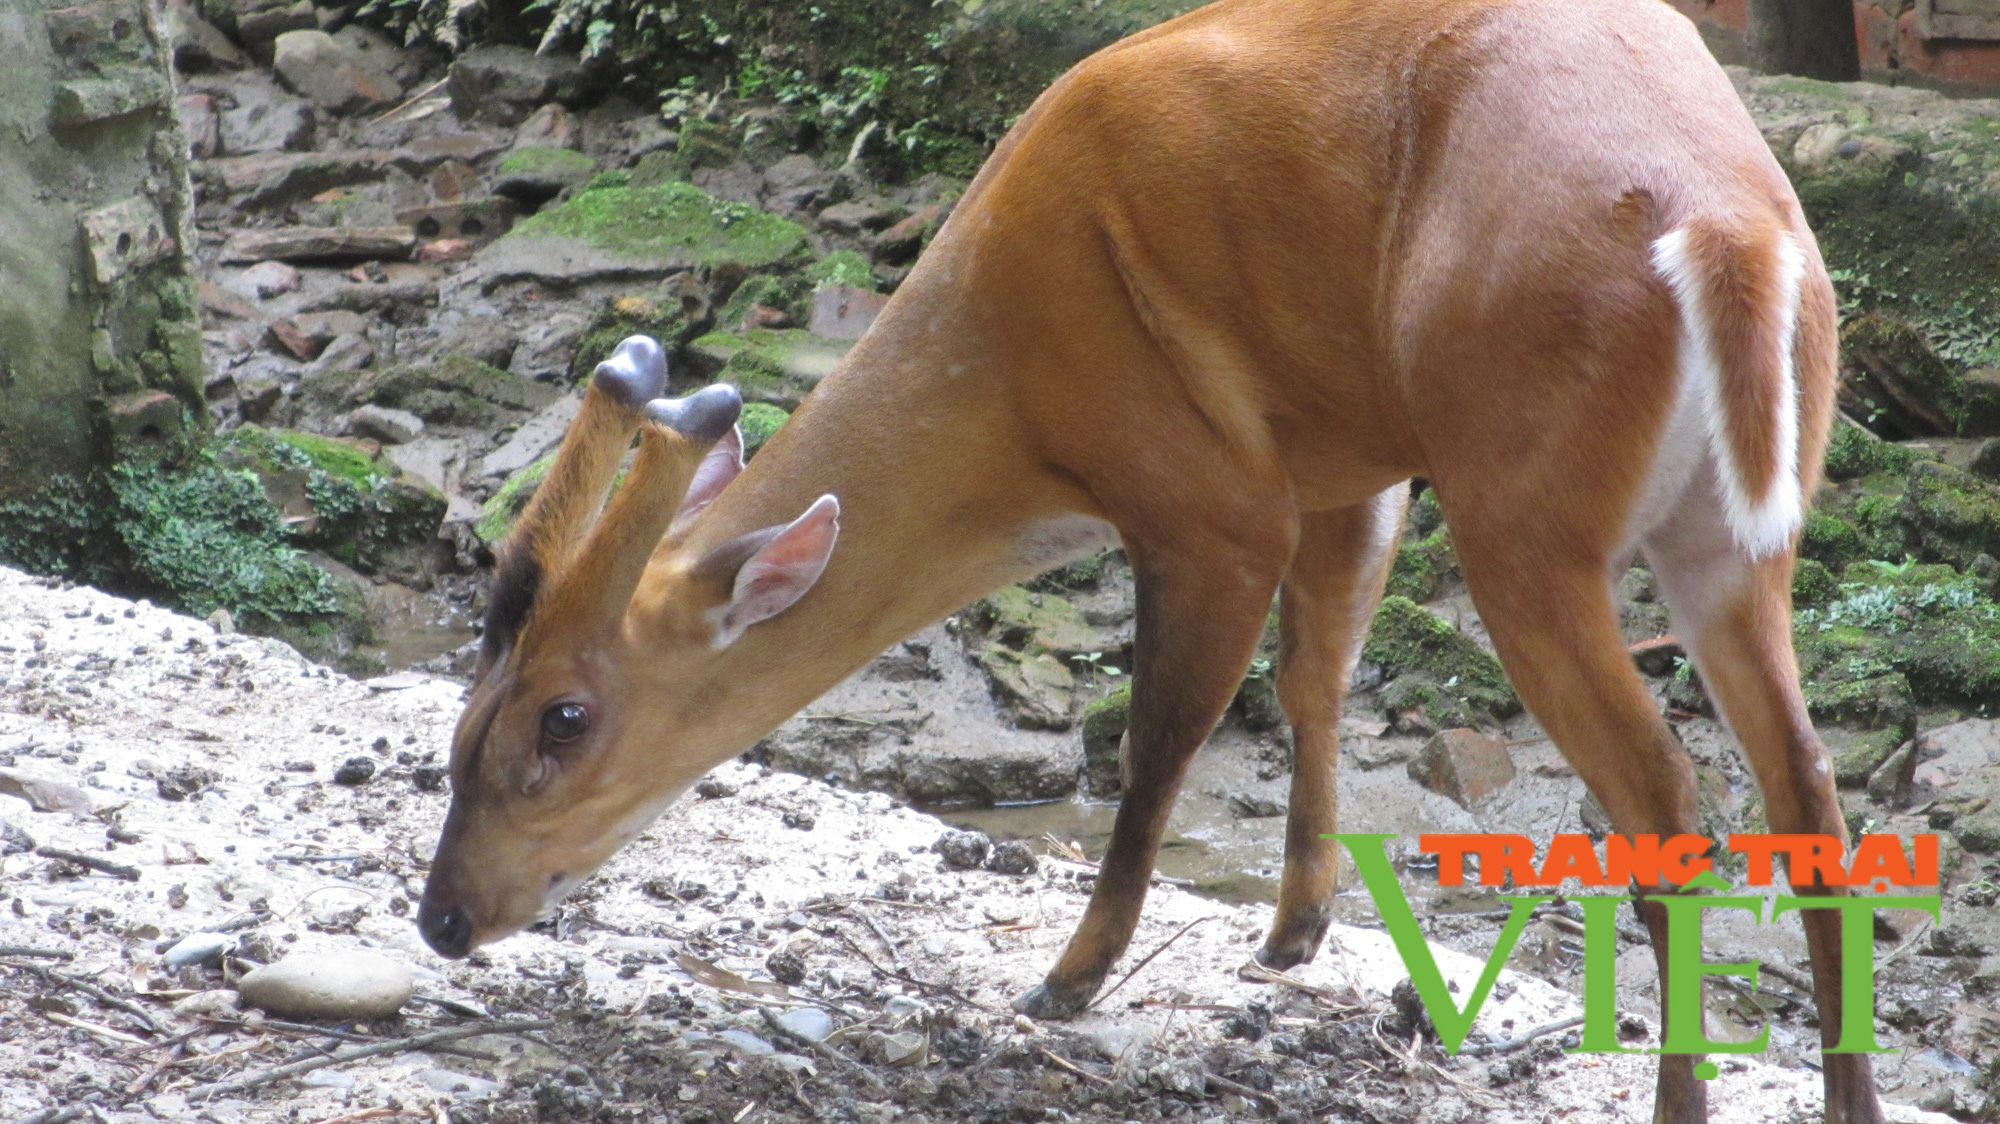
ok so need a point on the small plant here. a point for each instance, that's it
(1093, 662)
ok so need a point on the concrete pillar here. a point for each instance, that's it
(100, 338)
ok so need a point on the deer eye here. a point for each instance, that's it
(564, 722)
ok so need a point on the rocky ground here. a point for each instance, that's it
(409, 263)
(186, 806)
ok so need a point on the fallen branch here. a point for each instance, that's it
(1148, 960)
(102, 996)
(1242, 1090)
(1072, 1067)
(393, 1046)
(95, 1030)
(116, 870)
(35, 953)
(1509, 1045)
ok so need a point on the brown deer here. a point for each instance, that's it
(1223, 290)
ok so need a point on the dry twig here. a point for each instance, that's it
(1149, 959)
(393, 1046)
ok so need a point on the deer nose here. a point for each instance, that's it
(447, 929)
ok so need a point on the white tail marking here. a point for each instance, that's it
(1760, 525)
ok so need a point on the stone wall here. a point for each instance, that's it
(1901, 40)
(100, 349)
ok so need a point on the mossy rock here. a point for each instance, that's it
(1857, 754)
(1103, 724)
(665, 321)
(776, 366)
(785, 292)
(758, 422)
(456, 390)
(1901, 191)
(1830, 541)
(565, 166)
(339, 498)
(844, 267)
(1979, 832)
(1813, 584)
(1955, 515)
(1852, 453)
(498, 514)
(674, 224)
(1405, 637)
(1872, 703)
(1423, 569)
(1907, 390)
(1035, 622)
(1414, 690)
(1036, 691)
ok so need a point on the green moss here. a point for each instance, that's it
(1405, 637)
(778, 366)
(1426, 515)
(784, 292)
(1853, 453)
(1932, 628)
(630, 316)
(675, 222)
(497, 515)
(759, 421)
(1830, 541)
(844, 267)
(564, 164)
(1421, 569)
(1955, 516)
(1103, 724)
(1035, 622)
(207, 537)
(359, 509)
(455, 390)
(1813, 583)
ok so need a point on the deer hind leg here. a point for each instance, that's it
(1201, 610)
(1325, 606)
(1734, 616)
(1551, 615)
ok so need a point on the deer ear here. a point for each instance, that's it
(714, 473)
(780, 572)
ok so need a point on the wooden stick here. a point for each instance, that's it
(1509, 1045)
(97, 993)
(1242, 1090)
(94, 1029)
(1148, 960)
(37, 953)
(393, 1046)
(116, 870)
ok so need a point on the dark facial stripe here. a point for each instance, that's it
(516, 580)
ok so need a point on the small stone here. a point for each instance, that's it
(1244, 806)
(964, 850)
(744, 1042)
(787, 966)
(1465, 765)
(1889, 784)
(1012, 857)
(289, 337)
(809, 1023)
(222, 623)
(855, 218)
(802, 821)
(220, 1003)
(198, 949)
(390, 427)
(355, 771)
(429, 778)
(1979, 832)
(323, 70)
(327, 1079)
(551, 126)
(712, 789)
(265, 280)
(329, 985)
(463, 1084)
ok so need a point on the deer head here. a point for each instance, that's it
(569, 743)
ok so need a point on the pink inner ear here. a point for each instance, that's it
(779, 574)
(714, 473)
